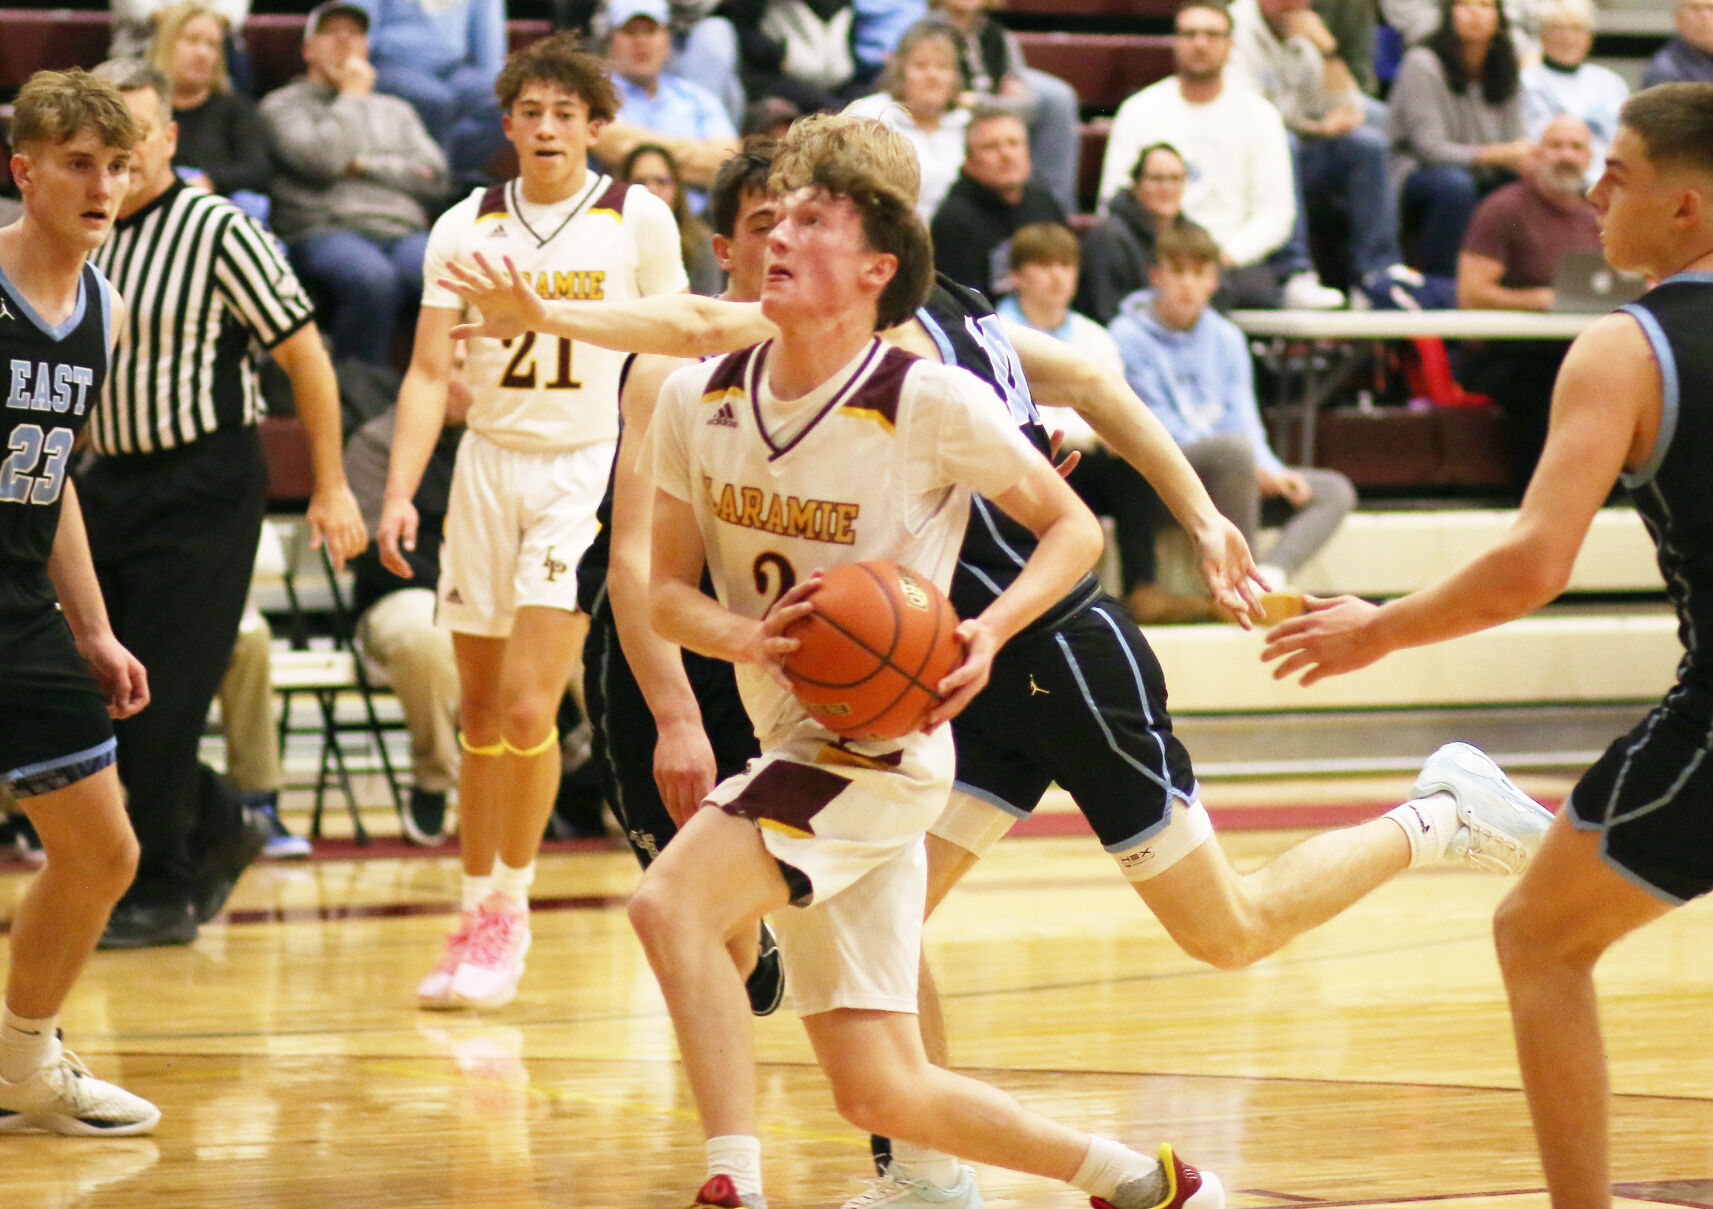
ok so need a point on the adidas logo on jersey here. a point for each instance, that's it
(498, 232)
(724, 417)
(454, 596)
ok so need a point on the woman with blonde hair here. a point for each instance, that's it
(920, 96)
(222, 143)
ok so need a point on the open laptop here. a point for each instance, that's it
(1585, 284)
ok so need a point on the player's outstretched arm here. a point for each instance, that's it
(1605, 412)
(421, 415)
(333, 516)
(122, 679)
(684, 765)
(1059, 374)
(1068, 544)
(672, 325)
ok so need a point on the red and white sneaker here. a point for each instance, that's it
(435, 991)
(488, 975)
(720, 1193)
(1186, 1187)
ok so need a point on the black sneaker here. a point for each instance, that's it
(138, 925)
(282, 844)
(424, 820)
(226, 861)
(766, 984)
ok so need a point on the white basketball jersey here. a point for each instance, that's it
(540, 393)
(876, 463)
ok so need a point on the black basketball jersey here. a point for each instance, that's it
(968, 333)
(592, 567)
(53, 380)
(1674, 492)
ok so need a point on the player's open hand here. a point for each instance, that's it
(119, 674)
(770, 645)
(334, 518)
(960, 685)
(684, 768)
(1228, 568)
(1331, 638)
(396, 534)
(508, 303)
(1068, 463)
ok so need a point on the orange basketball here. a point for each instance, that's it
(880, 638)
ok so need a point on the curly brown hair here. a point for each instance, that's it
(559, 59)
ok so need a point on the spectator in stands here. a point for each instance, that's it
(356, 173)
(992, 197)
(654, 169)
(1564, 82)
(222, 143)
(1515, 241)
(655, 105)
(1285, 52)
(442, 57)
(1048, 106)
(1352, 25)
(1119, 250)
(803, 50)
(919, 96)
(1457, 127)
(133, 28)
(1191, 366)
(1419, 20)
(395, 617)
(1241, 187)
(770, 118)
(704, 45)
(1688, 57)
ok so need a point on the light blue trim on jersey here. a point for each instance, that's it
(106, 309)
(51, 331)
(980, 506)
(1699, 277)
(1669, 401)
(941, 340)
(33, 779)
(993, 800)
(1163, 781)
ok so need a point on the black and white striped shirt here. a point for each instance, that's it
(203, 282)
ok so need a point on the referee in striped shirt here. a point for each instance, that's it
(176, 495)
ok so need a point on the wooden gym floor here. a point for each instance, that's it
(1367, 1064)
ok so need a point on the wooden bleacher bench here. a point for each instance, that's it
(1104, 68)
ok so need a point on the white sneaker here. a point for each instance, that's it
(435, 991)
(493, 956)
(63, 1097)
(1304, 292)
(1500, 827)
(900, 1193)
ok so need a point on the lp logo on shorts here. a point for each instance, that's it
(553, 566)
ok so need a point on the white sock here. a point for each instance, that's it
(913, 1162)
(1108, 1165)
(514, 883)
(475, 888)
(1428, 824)
(26, 1045)
(737, 1155)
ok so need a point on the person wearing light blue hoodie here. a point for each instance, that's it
(1191, 366)
(442, 57)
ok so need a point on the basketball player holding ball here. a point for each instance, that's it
(819, 448)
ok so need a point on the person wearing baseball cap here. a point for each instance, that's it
(658, 106)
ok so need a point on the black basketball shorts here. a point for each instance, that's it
(1082, 704)
(625, 734)
(1651, 798)
(54, 729)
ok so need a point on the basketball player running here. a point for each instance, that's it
(1079, 698)
(826, 413)
(1635, 838)
(668, 724)
(530, 473)
(63, 675)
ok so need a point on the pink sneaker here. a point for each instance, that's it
(492, 964)
(435, 991)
